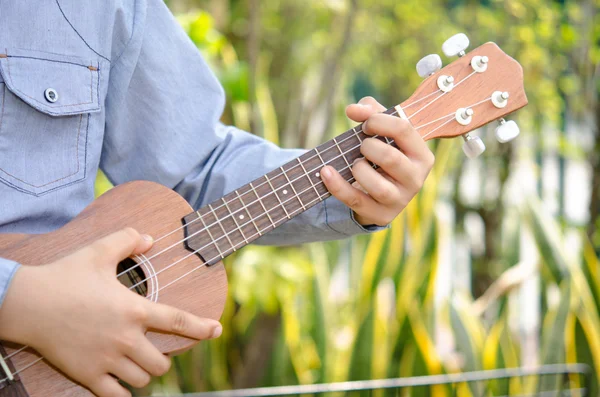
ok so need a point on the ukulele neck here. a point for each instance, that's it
(240, 217)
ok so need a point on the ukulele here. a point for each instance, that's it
(184, 269)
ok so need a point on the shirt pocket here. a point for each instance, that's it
(46, 101)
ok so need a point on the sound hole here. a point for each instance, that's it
(132, 276)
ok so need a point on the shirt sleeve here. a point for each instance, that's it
(7, 271)
(163, 109)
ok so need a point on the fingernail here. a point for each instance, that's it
(326, 173)
(217, 331)
(357, 160)
(364, 126)
(147, 237)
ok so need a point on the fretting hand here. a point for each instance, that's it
(378, 196)
(77, 315)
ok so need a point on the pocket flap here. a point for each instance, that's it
(58, 85)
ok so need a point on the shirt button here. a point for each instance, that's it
(51, 95)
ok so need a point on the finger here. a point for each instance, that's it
(149, 358)
(363, 109)
(120, 245)
(406, 137)
(130, 372)
(357, 200)
(375, 184)
(169, 319)
(393, 162)
(107, 386)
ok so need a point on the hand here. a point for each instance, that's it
(77, 315)
(378, 196)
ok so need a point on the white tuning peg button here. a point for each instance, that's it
(456, 45)
(507, 131)
(429, 65)
(473, 146)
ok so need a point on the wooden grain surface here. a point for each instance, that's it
(503, 73)
(149, 208)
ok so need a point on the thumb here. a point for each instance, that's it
(120, 245)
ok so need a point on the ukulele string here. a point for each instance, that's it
(24, 368)
(295, 166)
(316, 155)
(238, 228)
(452, 114)
(244, 207)
(240, 196)
(434, 121)
(15, 352)
(422, 99)
(443, 93)
(251, 220)
(233, 248)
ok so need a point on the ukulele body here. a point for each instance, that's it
(151, 209)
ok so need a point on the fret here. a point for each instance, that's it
(248, 212)
(262, 204)
(349, 151)
(356, 134)
(349, 145)
(301, 179)
(222, 228)
(308, 177)
(319, 155)
(212, 239)
(326, 153)
(278, 199)
(293, 188)
(341, 152)
(259, 220)
(312, 163)
(235, 220)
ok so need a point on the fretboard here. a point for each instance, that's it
(240, 217)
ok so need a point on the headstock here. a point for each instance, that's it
(479, 87)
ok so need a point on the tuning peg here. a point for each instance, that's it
(500, 99)
(456, 45)
(473, 146)
(507, 131)
(429, 65)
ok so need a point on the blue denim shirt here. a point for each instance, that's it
(117, 85)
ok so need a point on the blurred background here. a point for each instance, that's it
(494, 264)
